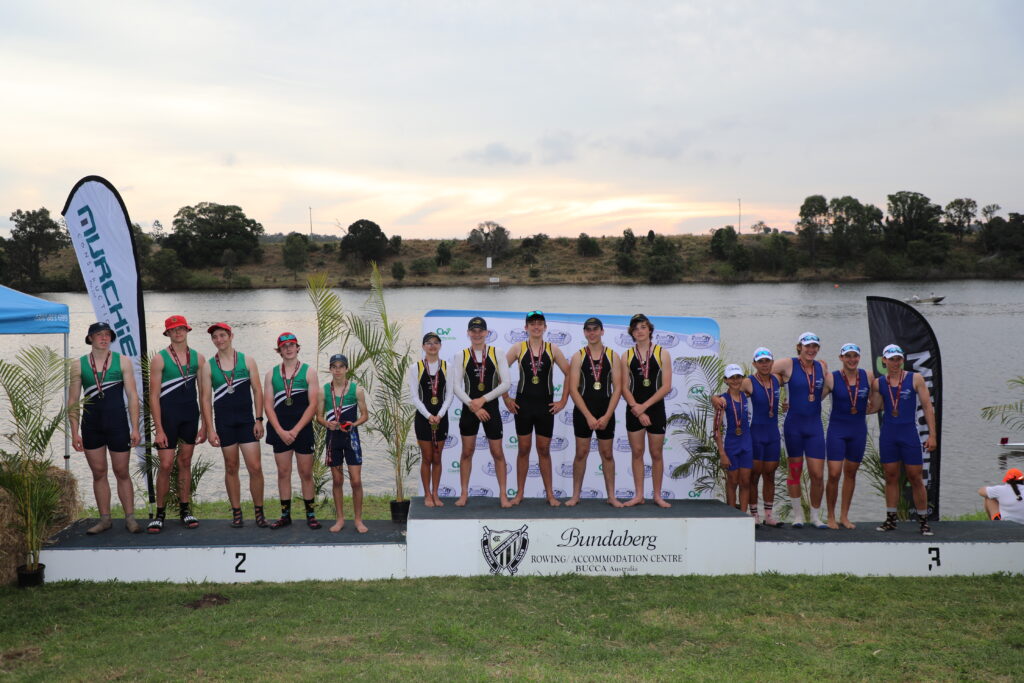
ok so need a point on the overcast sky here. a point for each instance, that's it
(429, 117)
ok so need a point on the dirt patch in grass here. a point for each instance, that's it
(208, 600)
(10, 659)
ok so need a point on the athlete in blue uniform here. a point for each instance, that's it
(479, 377)
(342, 410)
(901, 394)
(852, 392)
(290, 398)
(594, 382)
(646, 380)
(804, 377)
(535, 406)
(174, 405)
(107, 378)
(431, 390)
(228, 395)
(735, 447)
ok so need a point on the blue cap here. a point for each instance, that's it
(848, 347)
(339, 358)
(760, 353)
(808, 338)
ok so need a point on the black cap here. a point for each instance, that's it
(638, 318)
(535, 315)
(477, 323)
(431, 335)
(593, 322)
(338, 358)
(100, 327)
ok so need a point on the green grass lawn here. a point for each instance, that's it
(766, 627)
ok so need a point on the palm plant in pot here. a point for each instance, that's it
(34, 488)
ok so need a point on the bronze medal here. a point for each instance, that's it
(535, 379)
(288, 401)
(771, 413)
(895, 412)
(739, 431)
(481, 386)
(597, 386)
(853, 411)
(810, 398)
(647, 382)
(434, 401)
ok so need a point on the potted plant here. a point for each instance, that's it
(35, 497)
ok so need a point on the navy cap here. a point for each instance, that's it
(339, 358)
(593, 322)
(100, 327)
(477, 323)
(431, 335)
(535, 315)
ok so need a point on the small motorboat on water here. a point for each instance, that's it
(1007, 445)
(924, 300)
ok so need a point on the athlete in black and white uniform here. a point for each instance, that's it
(108, 379)
(228, 395)
(479, 377)
(534, 405)
(431, 391)
(647, 378)
(174, 405)
(594, 382)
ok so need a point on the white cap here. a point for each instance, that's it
(732, 370)
(848, 347)
(892, 350)
(809, 338)
(761, 353)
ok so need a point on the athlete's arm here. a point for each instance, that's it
(456, 379)
(321, 408)
(747, 387)
(313, 391)
(510, 359)
(872, 393)
(875, 397)
(624, 386)
(75, 411)
(364, 414)
(828, 384)
(204, 425)
(613, 400)
(503, 377)
(925, 399)
(782, 369)
(573, 385)
(268, 402)
(257, 396)
(156, 371)
(448, 394)
(132, 393)
(666, 380)
(414, 387)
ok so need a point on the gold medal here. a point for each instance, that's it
(895, 412)
(535, 379)
(647, 382)
(739, 431)
(597, 386)
(288, 401)
(480, 387)
(433, 400)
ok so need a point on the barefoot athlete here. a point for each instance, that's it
(479, 377)
(735, 447)
(431, 393)
(290, 396)
(594, 383)
(228, 395)
(804, 377)
(338, 413)
(764, 390)
(852, 392)
(534, 406)
(174, 405)
(901, 392)
(107, 378)
(644, 386)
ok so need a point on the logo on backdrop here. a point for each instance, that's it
(566, 416)
(559, 493)
(558, 337)
(683, 366)
(445, 492)
(482, 443)
(450, 441)
(625, 340)
(504, 550)
(622, 445)
(480, 491)
(671, 394)
(489, 468)
(506, 416)
(590, 493)
(701, 341)
(666, 339)
(565, 470)
(516, 336)
(624, 493)
(533, 470)
(491, 336)
(593, 444)
(647, 471)
(445, 333)
(559, 443)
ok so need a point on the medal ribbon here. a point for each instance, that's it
(645, 364)
(335, 408)
(229, 379)
(769, 391)
(852, 390)
(480, 369)
(895, 397)
(810, 381)
(535, 363)
(99, 376)
(434, 379)
(596, 368)
(174, 356)
(735, 414)
(289, 382)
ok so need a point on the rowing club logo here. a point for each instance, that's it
(504, 550)
(516, 336)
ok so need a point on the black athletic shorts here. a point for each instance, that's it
(658, 420)
(180, 423)
(469, 425)
(583, 430)
(535, 417)
(424, 433)
(235, 433)
(303, 442)
(115, 440)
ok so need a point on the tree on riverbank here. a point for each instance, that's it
(202, 233)
(35, 236)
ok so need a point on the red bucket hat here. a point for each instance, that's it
(175, 321)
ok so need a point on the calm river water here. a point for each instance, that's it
(979, 328)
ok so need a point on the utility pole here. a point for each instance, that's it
(311, 222)
(739, 217)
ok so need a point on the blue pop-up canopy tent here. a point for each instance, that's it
(21, 313)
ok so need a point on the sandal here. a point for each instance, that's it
(261, 519)
(282, 522)
(155, 526)
(189, 520)
(236, 518)
(312, 522)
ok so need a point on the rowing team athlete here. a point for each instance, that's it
(223, 402)
(747, 434)
(597, 378)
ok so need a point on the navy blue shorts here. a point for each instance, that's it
(179, 424)
(344, 448)
(114, 440)
(303, 442)
(236, 433)
(740, 457)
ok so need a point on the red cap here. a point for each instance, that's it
(175, 321)
(219, 326)
(1013, 473)
(286, 337)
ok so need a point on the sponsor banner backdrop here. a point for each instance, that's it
(683, 338)
(98, 224)
(895, 322)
